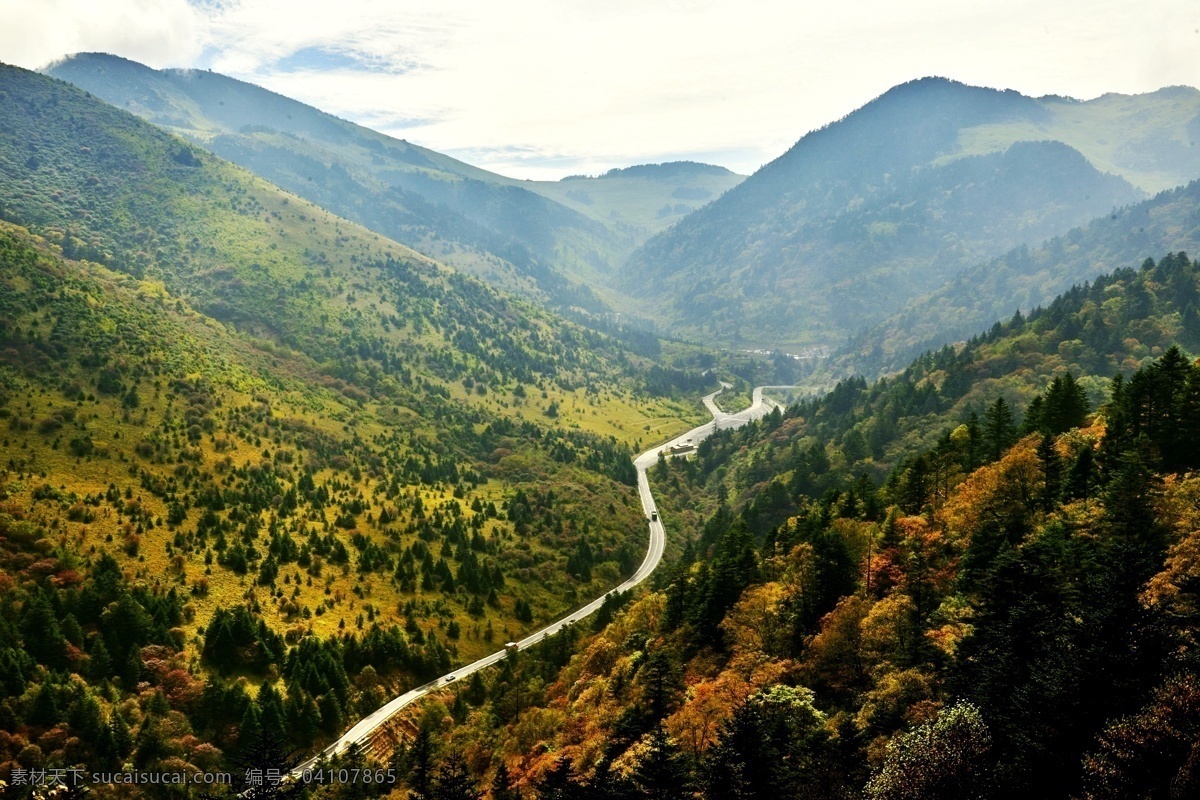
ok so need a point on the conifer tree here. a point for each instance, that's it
(454, 781)
(999, 429)
(1051, 468)
(559, 783)
(1080, 483)
(420, 775)
(502, 787)
(661, 774)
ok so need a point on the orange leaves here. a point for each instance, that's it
(1002, 494)
(65, 578)
(889, 632)
(1174, 587)
(599, 659)
(709, 703)
(535, 726)
(834, 656)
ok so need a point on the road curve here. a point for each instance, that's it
(760, 407)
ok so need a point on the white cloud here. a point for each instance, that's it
(154, 32)
(540, 88)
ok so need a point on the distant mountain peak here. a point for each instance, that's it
(926, 180)
(95, 59)
(669, 169)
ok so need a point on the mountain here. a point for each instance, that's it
(1025, 278)
(900, 196)
(647, 198)
(543, 239)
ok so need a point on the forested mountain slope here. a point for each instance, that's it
(900, 196)
(455, 212)
(1027, 277)
(974, 579)
(249, 444)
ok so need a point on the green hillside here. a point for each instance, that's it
(1025, 278)
(249, 444)
(459, 214)
(1151, 140)
(899, 197)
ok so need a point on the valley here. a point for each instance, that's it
(363, 732)
(301, 424)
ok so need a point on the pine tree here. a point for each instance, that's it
(1067, 405)
(604, 784)
(250, 730)
(100, 666)
(559, 783)
(999, 429)
(1191, 327)
(1051, 467)
(132, 671)
(272, 716)
(975, 442)
(1137, 535)
(454, 781)
(121, 737)
(660, 774)
(45, 711)
(41, 634)
(502, 785)
(660, 676)
(150, 744)
(420, 775)
(262, 760)
(1080, 483)
(1035, 417)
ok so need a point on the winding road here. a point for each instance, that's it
(362, 732)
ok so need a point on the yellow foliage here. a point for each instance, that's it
(599, 659)
(993, 493)
(1173, 586)
(889, 631)
(756, 625)
(899, 698)
(834, 657)
(535, 726)
(954, 615)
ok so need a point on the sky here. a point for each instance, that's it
(541, 89)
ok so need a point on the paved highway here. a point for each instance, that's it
(760, 407)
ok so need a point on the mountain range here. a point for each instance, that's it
(892, 204)
(899, 197)
(549, 240)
